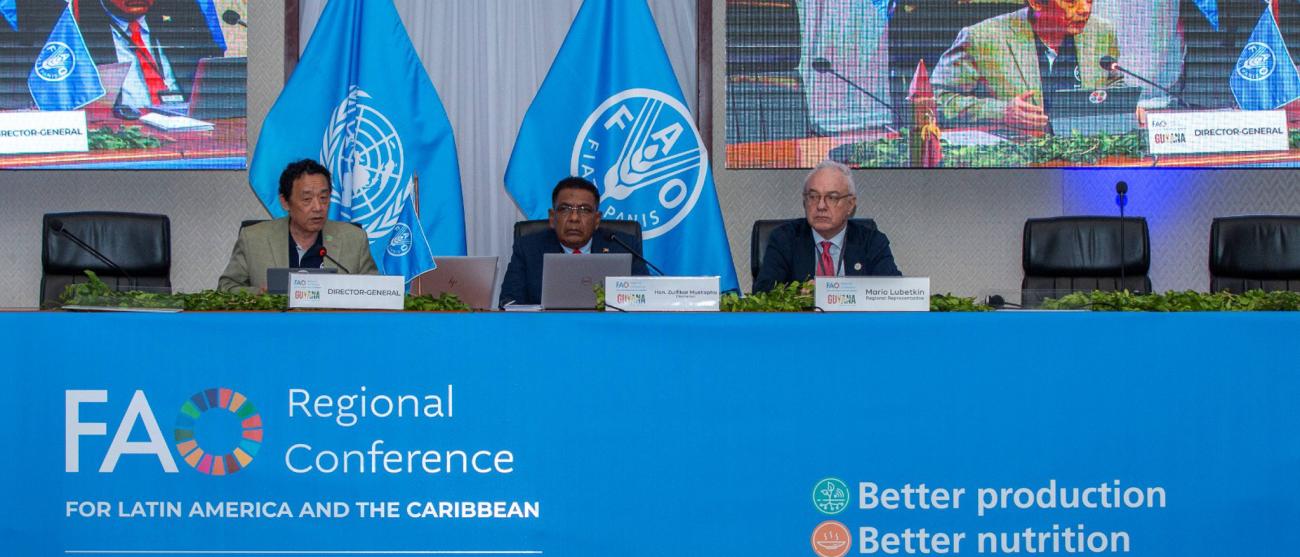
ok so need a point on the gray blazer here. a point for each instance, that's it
(265, 245)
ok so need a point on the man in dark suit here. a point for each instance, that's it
(163, 39)
(575, 228)
(826, 242)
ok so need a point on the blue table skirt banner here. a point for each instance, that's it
(650, 435)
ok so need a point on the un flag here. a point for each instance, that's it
(361, 103)
(1265, 78)
(63, 77)
(611, 110)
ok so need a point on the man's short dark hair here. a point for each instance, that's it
(298, 169)
(575, 183)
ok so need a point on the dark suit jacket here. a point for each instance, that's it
(791, 256)
(523, 282)
(178, 26)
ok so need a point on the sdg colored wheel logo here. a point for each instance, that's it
(218, 400)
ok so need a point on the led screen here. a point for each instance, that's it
(1006, 83)
(130, 84)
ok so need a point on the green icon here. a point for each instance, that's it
(830, 496)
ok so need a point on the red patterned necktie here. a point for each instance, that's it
(148, 66)
(577, 251)
(826, 266)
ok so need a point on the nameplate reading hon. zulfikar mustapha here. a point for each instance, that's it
(317, 291)
(662, 293)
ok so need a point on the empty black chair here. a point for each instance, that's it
(139, 244)
(1255, 253)
(763, 229)
(1081, 254)
(628, 227)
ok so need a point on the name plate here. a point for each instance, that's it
(872, 293)
(317, 291)
(1216, 131)
(662, 293)
(43, 132)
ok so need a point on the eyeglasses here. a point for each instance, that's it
(564, 209)
(813, 199)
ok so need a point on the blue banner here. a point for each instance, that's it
(361, 102)
(1211, 10)
(64, 77)
(1265, 77)
(9, 9)
(611, 110)
(213, 434)
(209, 10)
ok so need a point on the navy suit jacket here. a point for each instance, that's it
(523, 282)
(791, 255)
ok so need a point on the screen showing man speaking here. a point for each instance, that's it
(1012, 83)
(123, 84)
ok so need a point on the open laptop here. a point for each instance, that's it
(472, 279)
(277, 278)
(1093, 111)
(220, 89)
(567, 279)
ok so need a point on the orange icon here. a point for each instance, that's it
(830, 539)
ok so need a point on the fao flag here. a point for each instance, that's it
(1265, 77)
(63, 77)
(611, 110)
(361, 103)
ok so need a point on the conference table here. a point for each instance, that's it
(584, 433)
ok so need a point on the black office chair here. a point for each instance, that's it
(626, 227)
(1255, 253)
(1081, 254)
(763, 229)
(140, 244)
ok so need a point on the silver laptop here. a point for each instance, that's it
(277, 278)
(567, 279)
(1093, 111)
(472, 279)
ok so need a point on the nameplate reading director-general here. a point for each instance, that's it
(872, 293)
(662, 293)
(317, 291)
(1217, 131)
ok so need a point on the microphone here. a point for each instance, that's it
(996, 301)
(822, 65)
(1121, 199)
(56, 226)
(231, 17)
(324, 253)
(613, 237)
(1110, 64)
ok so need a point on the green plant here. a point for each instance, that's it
(951, 303)
(1254, 300)
(795, 296)
(126, 137)
(1051, 149)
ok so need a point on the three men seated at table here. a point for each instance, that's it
(301, 240)
(826, 242)
(575, 229)
(997, 70)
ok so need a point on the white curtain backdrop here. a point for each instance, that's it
(487, 58)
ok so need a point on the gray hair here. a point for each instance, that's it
(840, 167)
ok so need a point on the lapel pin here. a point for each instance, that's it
(857, 266)
(167, 18)
(604, 250)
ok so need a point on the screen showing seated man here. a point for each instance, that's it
(117, 83)
(1012, 83)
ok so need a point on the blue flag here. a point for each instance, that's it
(1265, 77)
(611, 110)
(209, 10)
(64, 77)
(9, 9)
(1211, 10)
(361, 103)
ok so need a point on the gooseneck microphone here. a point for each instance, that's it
(325, 254)
(822, 65)
(1121, 199)
(232, 17)
(1110, 64)
(57, 227)
(613, 237)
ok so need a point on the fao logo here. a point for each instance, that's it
(1257, 62)
(641, 149)
(399, 243)
(830, 496)
(55, 62)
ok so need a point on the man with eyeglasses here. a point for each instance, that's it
(826, 242)
(575, 229)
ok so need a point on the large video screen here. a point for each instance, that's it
(1012, 83)
(129, 84)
